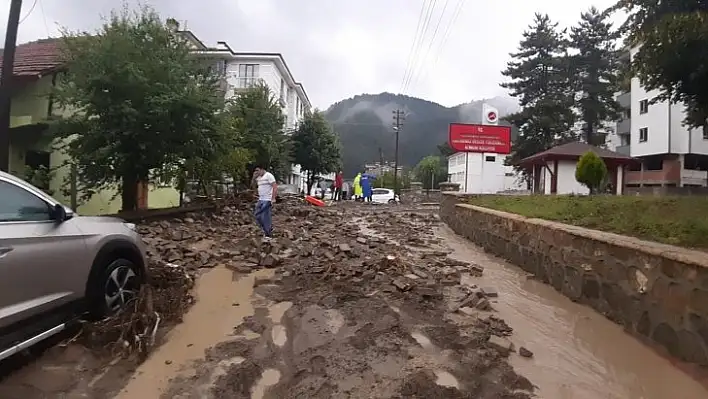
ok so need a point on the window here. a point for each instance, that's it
(380, 192)
(219, 68)
(643, 106)
(490, 158)
(247, 75)
(20, 205)
(643, 134)
(37, 159)
(705, 132)
(282, 89)
(37, 170)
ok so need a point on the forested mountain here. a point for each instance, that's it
(364, 125)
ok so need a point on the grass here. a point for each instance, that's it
(681, 221)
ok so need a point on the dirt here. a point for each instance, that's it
(351, 301)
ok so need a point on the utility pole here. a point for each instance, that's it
(398, 118)
(381, 167)
(8, 63)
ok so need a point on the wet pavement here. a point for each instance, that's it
(372, 305)
(578, 353)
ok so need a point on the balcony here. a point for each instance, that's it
(625, 100)
(624, 126)
(623, 149)
(245, 83)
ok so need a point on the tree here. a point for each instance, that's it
(672, 45)
(140, 103)
(445, 150)
(214, 161)
(595, 67)
(258, 118)
(428, 170)
(385, 180)
(315, 147)
(591, 171)
(540, 78)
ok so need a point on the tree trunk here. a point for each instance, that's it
(182, 185)
(129, 193)
(589, 133)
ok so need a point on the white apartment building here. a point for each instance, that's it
(671, 155)
(243, 70)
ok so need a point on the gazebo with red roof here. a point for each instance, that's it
(553, 170)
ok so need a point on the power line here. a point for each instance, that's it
(44, 17)
(432, 41)
(456, 13)
(413, 43)
(426, 25)
(28, 12)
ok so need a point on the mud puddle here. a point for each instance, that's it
(578, 354)
(223, 301)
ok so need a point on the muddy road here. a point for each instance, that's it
(356, 301)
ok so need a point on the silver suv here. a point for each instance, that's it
(56, 266)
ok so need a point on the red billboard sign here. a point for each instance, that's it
(480, 138)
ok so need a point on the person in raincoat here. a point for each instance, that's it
(366, 187)
(370, 193)
(357, 187)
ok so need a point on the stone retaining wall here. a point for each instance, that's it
(656, 291)
(412, 197)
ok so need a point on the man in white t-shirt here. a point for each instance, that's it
(267, 191)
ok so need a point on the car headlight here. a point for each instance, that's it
(131, 226)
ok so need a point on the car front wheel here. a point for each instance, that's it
(119, 284)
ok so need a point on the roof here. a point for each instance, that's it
(224, 50)
(37, 58)
(574, 150)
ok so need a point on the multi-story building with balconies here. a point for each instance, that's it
(670, 154)
(241, 71)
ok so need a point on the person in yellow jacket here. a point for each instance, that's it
(358, 192)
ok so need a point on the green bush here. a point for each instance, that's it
(591, 171)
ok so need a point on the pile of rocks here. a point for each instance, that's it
(313, 245)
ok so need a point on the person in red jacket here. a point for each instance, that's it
(338, 182)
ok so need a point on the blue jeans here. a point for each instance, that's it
(264, 217)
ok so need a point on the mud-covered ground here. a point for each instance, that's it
(349, 301)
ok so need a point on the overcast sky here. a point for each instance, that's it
(340, 48)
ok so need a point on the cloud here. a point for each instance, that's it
(338, 49)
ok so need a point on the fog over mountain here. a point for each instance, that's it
(364, 125)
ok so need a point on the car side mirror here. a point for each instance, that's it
(59, 213)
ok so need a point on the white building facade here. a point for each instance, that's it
(244, 70)
(671, 155)
(485, 173)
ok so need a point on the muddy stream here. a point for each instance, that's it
(578, 353)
